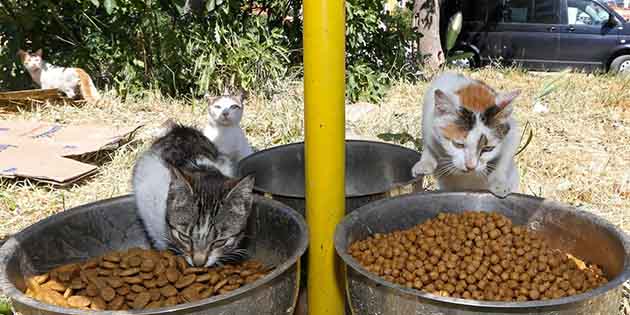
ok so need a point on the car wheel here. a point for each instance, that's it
(621, 65)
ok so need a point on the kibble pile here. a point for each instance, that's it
(137, 279)
(476, 255)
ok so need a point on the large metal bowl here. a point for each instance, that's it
(374, 170)
(278, 236)
(578, 232)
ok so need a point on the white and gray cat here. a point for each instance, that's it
(223, 129)
(187, 200)
(470, 136)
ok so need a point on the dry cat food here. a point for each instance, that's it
(137, 279)
(476, 255)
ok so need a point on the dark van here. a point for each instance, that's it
(543, 34)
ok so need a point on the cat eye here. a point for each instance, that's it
(219, 243)
(458, 145)
(234, 107)
(487, 149)
(217, 106)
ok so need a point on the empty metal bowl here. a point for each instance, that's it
(374, 170)
(577, 232)
(277, 235)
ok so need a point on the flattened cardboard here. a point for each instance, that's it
(39, 150)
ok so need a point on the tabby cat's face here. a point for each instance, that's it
(207, 219)
(473, 124)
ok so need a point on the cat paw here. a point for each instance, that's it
(423, 168)
(500, 190)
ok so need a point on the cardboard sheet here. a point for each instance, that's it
(40, 151)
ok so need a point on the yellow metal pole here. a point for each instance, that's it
(324, 93)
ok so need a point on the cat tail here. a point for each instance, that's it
(86, 86)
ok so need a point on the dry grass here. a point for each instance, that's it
(580, 153)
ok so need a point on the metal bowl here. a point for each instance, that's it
(373, 171)
(577, 232)
(278, 237)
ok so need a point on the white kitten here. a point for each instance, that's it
(469, 136)
(224, 116)
(70, 81)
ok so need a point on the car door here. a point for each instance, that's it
(529, 32)
(586, 39)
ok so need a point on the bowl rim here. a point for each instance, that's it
(376, 206)
(352, 141)
(11, 245)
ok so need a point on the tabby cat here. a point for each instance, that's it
(187, 200)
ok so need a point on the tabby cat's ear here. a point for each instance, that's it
(181, 178)
(241, 196)
(39, 53)
(444, 104)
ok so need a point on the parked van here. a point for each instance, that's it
(543, 34)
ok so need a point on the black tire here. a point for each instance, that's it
(621, 65)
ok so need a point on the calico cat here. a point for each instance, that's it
(470, 136)
(186, 203)
(72, 82)
(223, 129)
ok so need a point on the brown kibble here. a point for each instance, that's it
(123, 290)
(220, 285)
(147, 266)
(168, 291)
(171, 301)
(135, 261)
(79, 301)
(108, 294)
(115, 282)
(91, 290)
(132, 280)
(475, 255)
(109, 265)
(98, 304)
(155, 304)
(155, 294)
(117, 303)
(172, 275)
(54, 285)
(185, 281)
(161, 280)
(141, 300)
(130, 272)
(137, 288)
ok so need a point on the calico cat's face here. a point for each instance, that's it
(472, 124)
(207, 218)
(225, 110)
(31, 61)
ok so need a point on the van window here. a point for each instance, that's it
(586, 12)
(530, 11)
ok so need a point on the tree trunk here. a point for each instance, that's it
(426, 22)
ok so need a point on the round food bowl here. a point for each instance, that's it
(277, 236)
(374, 170)
(577, 232)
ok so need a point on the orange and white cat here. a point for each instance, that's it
(469, 136)
(72, 82)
